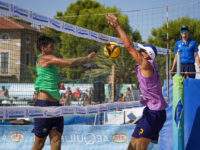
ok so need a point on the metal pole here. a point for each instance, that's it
(124, 117)
(170, 58)
(167, 58)
(113, 83)
(178, 63)
(167, 74)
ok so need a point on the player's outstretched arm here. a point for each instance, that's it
(128, 44)
(69, 62)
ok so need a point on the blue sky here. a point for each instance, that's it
(50, 7)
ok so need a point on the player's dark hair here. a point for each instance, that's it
(44, 41)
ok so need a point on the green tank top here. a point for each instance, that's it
(47, 80)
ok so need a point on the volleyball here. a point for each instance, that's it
(112, 50)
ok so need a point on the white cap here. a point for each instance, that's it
(150, 49)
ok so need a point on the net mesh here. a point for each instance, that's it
(18, 56)
(95, 93)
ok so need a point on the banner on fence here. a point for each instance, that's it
(74, 137)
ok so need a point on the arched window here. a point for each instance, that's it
(5, 36)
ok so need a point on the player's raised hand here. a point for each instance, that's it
(112, 21)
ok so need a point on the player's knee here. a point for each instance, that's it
(142, 145)
(56, 141)
(132, 144)
(131, 147)
(39, 145)
(56, 144)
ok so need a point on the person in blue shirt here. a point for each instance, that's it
(189, 53)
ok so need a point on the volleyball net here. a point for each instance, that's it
(20, 29)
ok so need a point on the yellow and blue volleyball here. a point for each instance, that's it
(112, 50)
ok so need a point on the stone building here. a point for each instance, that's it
(17, 54)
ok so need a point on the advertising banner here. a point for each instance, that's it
(76, 137)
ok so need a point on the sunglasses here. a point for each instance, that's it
(184, 31)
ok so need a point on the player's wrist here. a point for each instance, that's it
(117, 27)
(87, 58)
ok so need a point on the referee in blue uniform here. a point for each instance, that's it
(189, 53)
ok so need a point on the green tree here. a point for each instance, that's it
(158, 38)
(70, 46)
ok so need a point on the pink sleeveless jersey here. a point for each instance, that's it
(151, 90)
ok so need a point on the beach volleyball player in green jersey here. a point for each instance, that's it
(47, 87)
